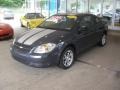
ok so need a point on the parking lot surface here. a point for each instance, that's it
(96, 69)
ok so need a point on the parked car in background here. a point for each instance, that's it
(8, 14)
(59, 40)
(109, 15)
(6, 31)
(32, 20)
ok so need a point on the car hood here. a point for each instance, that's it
(42, 36)
(32, 19)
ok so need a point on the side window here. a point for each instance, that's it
(86, 21)
(37, 16)
(87, 18)
(41, 16)
(97, 20)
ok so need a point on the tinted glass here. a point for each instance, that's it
(59, 22)
(33, 15)
(86, 21)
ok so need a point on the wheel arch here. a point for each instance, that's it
(105, 32)
(69, 45)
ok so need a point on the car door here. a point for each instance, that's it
(93, 31)
(100, 26)
(86, 32)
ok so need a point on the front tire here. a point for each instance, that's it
(67, 58)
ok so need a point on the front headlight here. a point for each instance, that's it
(45, 48)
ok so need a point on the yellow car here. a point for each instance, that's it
(31, 20)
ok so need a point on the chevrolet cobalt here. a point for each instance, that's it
(59, 39)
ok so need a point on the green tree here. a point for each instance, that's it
(11, 3)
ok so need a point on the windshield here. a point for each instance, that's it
(33, 15)
(59, 22)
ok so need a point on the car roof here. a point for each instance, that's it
(76, 14)
(33, 13)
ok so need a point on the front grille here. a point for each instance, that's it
(22, 48)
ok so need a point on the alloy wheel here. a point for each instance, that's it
(68, 58)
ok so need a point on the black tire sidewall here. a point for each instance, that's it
(22, 25)
(61, 65)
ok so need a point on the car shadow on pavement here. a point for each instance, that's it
(116, 72)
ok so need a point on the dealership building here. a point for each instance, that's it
(107, 8)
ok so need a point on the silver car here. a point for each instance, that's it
(8, 14)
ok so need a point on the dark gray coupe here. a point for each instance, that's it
(59, 40)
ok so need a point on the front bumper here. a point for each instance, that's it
(35, 60)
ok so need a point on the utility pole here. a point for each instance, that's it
(77, 6)
(114, 10)
(57, 5)
(66, 6)
(102, 3)
(49, 8)
(88, 6)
